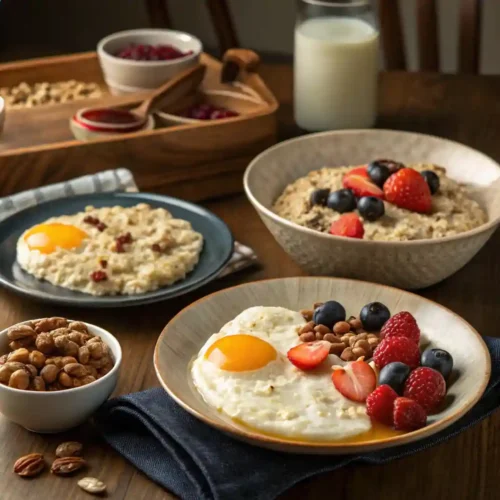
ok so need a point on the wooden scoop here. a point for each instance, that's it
(180, 85)
(121, 120)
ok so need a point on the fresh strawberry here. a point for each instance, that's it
(397, 349)
(355, 381)
(408, 189)
(427, 387)
(380, 404)
(309, 355)
(362, 171)
(402, 324)
(362, 186)
(408, 415)
(349, 225)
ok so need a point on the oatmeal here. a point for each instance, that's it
(452, 210)
(111, 250)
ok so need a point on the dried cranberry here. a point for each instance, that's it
(98, 276)
(146, 52)
(206, 111)
(156, 247)
(119, 248)
(101, 226)
(124, 238)
(93, 221)
(103, 263)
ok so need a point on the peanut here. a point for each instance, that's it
(76, 337)
(19, 380)
(83, 354)
(322, 329)
(78, 326)
(355, 323)
(319, 336)
(358, 352)
(341, 327)
(38, 384)
(65, 380)
(19, 332)
(337, 349)
(75, 370)
(307, 337)
(307, 314)
(348, 355)
(66, 360)
(96, 350)
(308, 327)
(37, 359)
(49, 373)
(330, 337)
(68, 347)
(49, 324)
(31, 370)
(45, 343)
(22, 355)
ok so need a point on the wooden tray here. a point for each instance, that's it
(194, 162)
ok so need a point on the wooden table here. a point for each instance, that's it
(464, 108)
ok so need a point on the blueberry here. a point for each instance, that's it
(392, 165)
(373, 316)
(319, 196)
(432, 180)
(394, 375)
(379, 172)
(371, 208)
(329, 313)
(439, 359)
(342, 201)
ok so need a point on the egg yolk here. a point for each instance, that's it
(48, 237)
(240, 353)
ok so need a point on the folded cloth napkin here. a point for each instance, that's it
(120, 179)
(197, 462)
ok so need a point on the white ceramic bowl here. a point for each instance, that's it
(50, 412)
(83, 133)
(2, 114)
(405, 264)
(125, 75)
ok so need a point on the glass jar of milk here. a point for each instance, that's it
(336, 65)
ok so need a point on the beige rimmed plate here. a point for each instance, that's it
(183, 337)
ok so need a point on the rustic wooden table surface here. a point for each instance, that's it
(464, 108)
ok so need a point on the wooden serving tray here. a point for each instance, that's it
(190, 161)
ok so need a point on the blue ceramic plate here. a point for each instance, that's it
(217, 249)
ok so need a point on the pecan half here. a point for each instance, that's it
(67, 465)
(69, 449)
(30, 465)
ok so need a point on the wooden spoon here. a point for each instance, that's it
(171, 91)
(121, 120)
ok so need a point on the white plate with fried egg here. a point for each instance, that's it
(224, 360)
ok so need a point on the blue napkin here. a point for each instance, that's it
(197, 462)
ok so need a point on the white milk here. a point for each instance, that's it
(336, 66)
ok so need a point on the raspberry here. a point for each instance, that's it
(402, 324)
(397, 349)
(380, 404)
(427, 387)
(408, 415)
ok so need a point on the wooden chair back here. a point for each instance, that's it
(219, 13)
(427, 32)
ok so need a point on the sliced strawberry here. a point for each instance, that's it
(362, 171)
(362, 186)
(349, 225)
(355, 381)
(309, 355)
(408, 189)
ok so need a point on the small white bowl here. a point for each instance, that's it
(58, 411)
(2, 114)
(84, 133)
(126, 73)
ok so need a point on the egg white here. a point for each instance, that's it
(279, 398)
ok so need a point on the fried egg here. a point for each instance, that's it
(46, 238)
(243, 372)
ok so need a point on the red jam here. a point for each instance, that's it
(145, 52)
(208, 112)
(110, 116)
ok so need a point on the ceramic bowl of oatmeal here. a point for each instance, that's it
(409, 231)
(111, 249)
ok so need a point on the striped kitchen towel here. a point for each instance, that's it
(104, 182)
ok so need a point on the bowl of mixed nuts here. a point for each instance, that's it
(55, 372)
